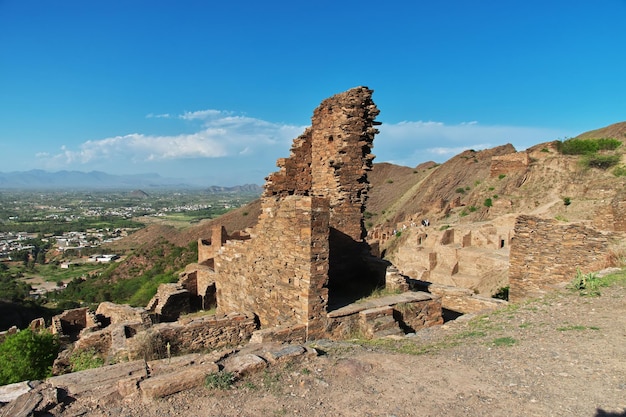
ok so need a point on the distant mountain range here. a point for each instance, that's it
(43, 180)
(237, 189)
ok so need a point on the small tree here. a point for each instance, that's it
(27, 355)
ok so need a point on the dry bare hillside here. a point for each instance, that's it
(538, 189)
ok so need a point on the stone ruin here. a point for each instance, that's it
(307, 256)
(294, 277)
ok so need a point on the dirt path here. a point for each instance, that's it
(564, 355)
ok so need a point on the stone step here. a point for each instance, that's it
(379, 322)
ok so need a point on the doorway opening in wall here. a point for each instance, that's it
(450, 315)
(351, 276)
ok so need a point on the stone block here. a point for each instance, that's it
(167, 384)
(244, 364)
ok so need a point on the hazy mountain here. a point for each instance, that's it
(40, 179)
(239, 189)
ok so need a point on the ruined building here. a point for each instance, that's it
(296, 275)
(307, 255)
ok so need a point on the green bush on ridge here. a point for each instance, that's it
(27, 355)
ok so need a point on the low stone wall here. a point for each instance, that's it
(411, 310)
(546, 253)
(121, 313)
(460, 300)
(192, 335)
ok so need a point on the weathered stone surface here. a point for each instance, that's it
(170, 301)
(460, 300)
(546, 253)
(121, 313)
(193, 335)
(244, 364)
(378, 322)
(286, 353)
(411, 311)
(284, 334)
(10, 392)
(99, 382)
(23, 406)
(71, 322)
(170, 383)
(36, 402)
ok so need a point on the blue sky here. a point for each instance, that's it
(216, 91)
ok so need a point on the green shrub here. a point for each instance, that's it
(587, 146)
(488, 202)
(460, 190)
(620, 171)
(27, 355)
(587, 284)
(219, 380)
(472, 209)
(85, 359)
(600, 161)
(502, 294)
(501, 176)
(567, 201)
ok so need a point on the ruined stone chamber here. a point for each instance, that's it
(307, 255)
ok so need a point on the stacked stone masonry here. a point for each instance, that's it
(546, 253)
(309, 241)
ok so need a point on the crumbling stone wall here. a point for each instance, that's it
(207, 249)
(71, 322)
(193, 335)
(506, 164)
(310, 233)
(546, 253)
(280, 274)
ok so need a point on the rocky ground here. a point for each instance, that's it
(563, 355)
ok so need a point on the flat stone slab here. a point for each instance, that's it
(99, 382)
(389, 300)
(167, 384)
(244, 364)
(286, 353)
(10, 392)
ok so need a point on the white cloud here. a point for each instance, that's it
(237, 144)
(413, 142)
(201, 114)
(220, 135)
(158, 116)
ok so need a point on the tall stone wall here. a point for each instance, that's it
(331, 159)
(281, 273)
(546, 253)
(309, 238)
